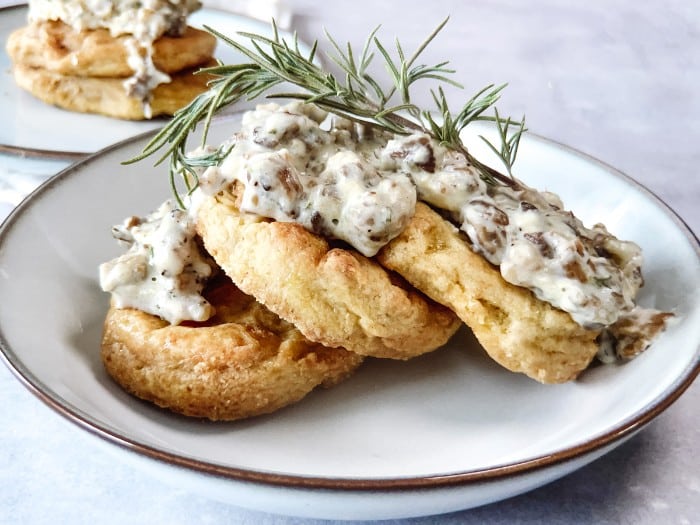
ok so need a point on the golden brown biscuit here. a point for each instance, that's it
(58, 48)
(243, 362)
(333, 296)
(107, 96)
(519, 331)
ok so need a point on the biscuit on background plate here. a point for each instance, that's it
(107, 96)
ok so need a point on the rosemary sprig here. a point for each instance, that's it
(509, 144)
(358, 96)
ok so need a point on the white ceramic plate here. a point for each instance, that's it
(446, 431)
(32, 128)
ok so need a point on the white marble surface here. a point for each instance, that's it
(615, 79)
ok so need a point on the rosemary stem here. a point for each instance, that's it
(354, 94)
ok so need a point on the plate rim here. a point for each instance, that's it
(625, 428)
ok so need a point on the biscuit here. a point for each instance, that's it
(107, 96)
(243, 362)
(516, 329)
(56, 47)
(334, 296)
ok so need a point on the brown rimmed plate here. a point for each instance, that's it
(443, 432)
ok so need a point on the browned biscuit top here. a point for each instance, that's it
(58, 48)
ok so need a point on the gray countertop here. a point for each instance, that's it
(614, 79)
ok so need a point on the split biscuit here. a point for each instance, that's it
(56, 47)
(243, 362)
(516, 329)
(107, 96)
(334, 296)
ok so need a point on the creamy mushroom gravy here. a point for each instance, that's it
(145, 21)
(327, 180)
(349, 182)
(164, 270)
(631, 334)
